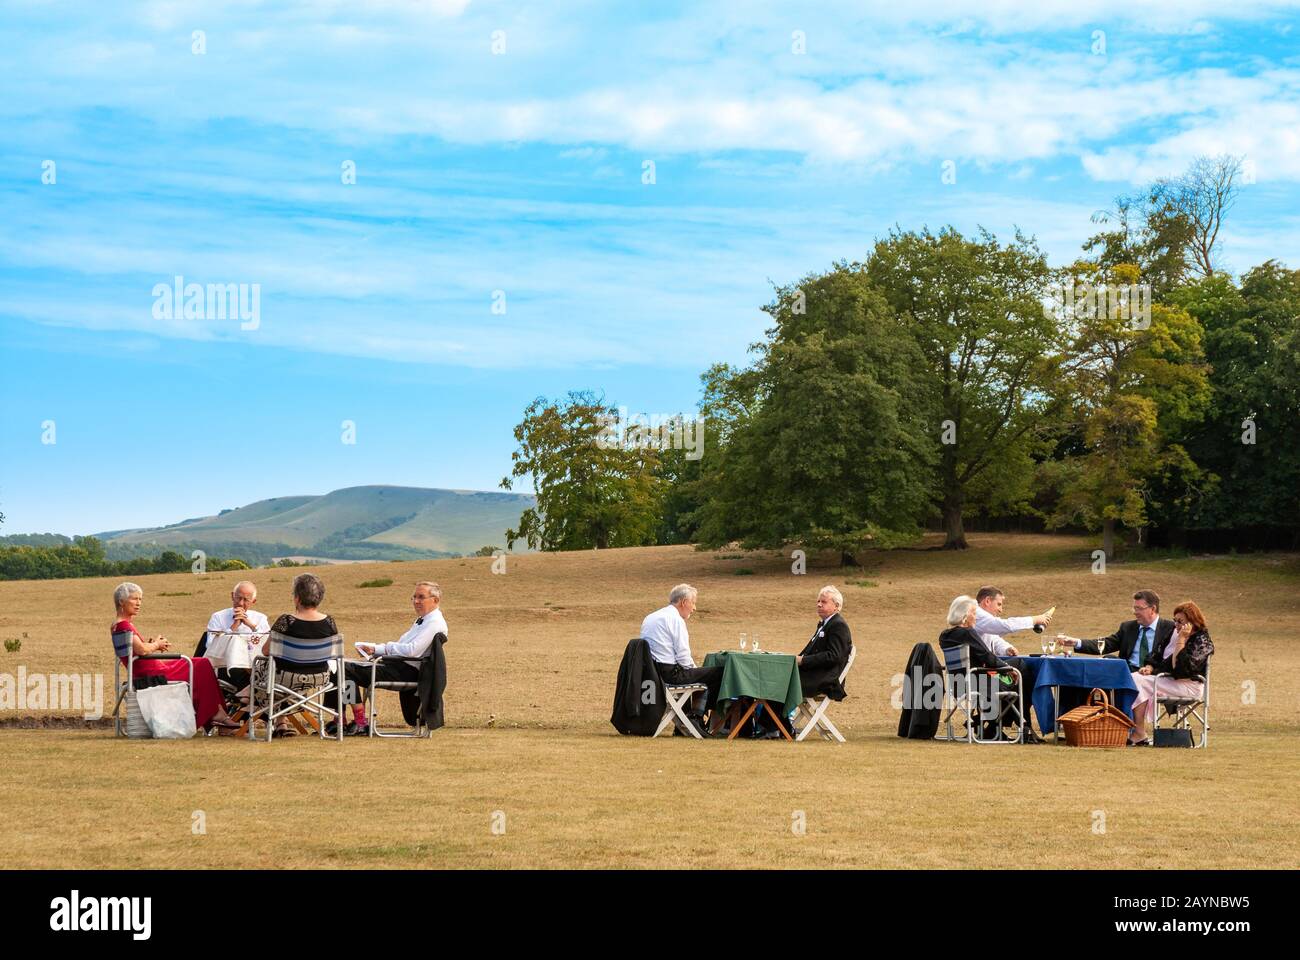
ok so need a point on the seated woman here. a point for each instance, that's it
(1185, 656)
(961, 633)
(305, 623)
(205, 693)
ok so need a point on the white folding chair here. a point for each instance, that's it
(678, 695)
(1186, 709)
(812, 712)
(123, 647)
(966, 697)
(289, 655)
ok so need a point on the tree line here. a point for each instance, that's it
(1140, 392)
(84, 557)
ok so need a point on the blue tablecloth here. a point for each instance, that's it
(1108, 673)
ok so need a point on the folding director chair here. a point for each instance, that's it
(966, 694)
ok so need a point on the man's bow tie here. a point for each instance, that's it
(419, 620)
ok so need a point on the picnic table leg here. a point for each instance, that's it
(748, 713)
(779, 725)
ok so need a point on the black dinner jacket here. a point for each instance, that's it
(1125, 638)
(824, 657)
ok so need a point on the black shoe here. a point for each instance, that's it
(350, 730)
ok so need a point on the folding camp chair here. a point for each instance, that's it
(678, 695)
(812, 712)
(235, 707)
(421, 729)
(122, 647)
(288, 656)
(971, 701)
(1186, 709)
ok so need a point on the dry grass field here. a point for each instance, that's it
(532, 659)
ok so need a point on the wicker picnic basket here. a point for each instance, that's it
(1096, 723)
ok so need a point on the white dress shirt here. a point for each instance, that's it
(227, 651)
(414, 643)
(991, 629)
(665, 631)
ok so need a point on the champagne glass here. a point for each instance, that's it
(1101, 648)
(756, 650)
(1051, 645)
(1042, 642)
(744, 642)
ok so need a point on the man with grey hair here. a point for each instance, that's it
(823, 657)
(234, 635)
(412, 645)
(670, 648)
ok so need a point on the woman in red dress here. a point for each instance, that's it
(209, 708)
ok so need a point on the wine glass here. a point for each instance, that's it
(1042, 641)
(756, 650)
(744, 642)
(1051, 645)
(1101, 647)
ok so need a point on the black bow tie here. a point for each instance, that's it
(419, 620)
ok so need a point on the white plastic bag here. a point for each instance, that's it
(168, 710)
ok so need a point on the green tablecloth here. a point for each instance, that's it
(763, 676)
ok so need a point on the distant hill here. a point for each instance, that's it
(355, 523)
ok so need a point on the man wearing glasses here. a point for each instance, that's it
(1136, 638)
(414, 644)
(234, 635)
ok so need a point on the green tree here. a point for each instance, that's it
(1133, 388)
(975, 308)
(1250, 435)
(594, 488)
(822, 441)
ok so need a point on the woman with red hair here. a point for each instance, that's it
(1185, 656)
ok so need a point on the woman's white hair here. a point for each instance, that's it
(124, 592)
(960, 609)
(834, 594)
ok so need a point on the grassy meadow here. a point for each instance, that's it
(529, 773)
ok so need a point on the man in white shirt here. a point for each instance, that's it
(234, 635)
(413, 644)
(992, 627)
(670, 648)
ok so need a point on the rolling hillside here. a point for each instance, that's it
(355, 523)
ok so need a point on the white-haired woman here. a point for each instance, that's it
(209, 709)
(961, 633)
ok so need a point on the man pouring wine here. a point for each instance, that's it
(992, 627)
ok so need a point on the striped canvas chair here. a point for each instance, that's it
(134, 725)
(978, 705)
(277, 688)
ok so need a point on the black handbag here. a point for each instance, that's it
(1173, 737)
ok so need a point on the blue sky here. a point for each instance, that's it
(521, 171)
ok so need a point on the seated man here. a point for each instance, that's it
(822, 660)
(670, 648)
(990, 624)
(1135, 639)
(824, 656)
(414, 643)
(232, 655)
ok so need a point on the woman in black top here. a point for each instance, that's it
(1186, 656)
(305, 623)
